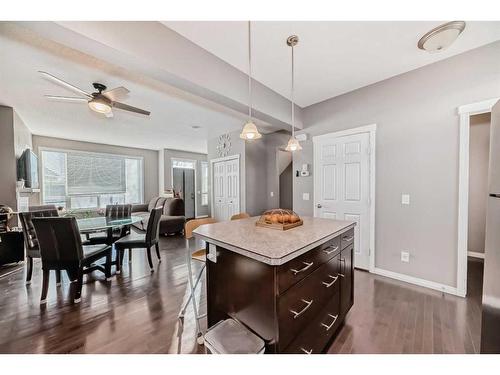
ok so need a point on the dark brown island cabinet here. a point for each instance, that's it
(292, 288)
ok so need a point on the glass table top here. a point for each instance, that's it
(102, 223)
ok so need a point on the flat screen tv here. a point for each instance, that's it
(27, 169)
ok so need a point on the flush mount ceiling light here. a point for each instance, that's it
(250, 131)
(293, 143)
(441, 37)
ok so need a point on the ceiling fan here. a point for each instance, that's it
(101, 101)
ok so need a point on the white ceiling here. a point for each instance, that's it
(172, 112)
(332, 58)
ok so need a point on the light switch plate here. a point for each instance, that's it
(272, 193)
(405, 257)
(305, 196)
(405, 199)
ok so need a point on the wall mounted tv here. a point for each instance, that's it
(27, 169)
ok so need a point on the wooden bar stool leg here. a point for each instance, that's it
(45, 286)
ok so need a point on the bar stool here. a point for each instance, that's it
(200, 256)
(241, 215)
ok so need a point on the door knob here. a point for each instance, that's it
(319, 205)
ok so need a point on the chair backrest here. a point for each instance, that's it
(45, 207)
(153, 224)
(119, 211)
(191, 225)
(59, 240)
(241, 215)
(27, 223)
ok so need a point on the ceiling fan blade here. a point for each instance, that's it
(129, 108)
(109, 114)
(65, 84)
(116, 93)
(67, 98)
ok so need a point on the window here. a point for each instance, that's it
(204, 183)
(76, 179)
(186, 164)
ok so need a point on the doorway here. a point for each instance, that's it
(184, 184)
(344, 185)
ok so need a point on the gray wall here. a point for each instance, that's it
(286, 188)
(479, 152)
(150, 157)
(417, 153)
(8, 168)
(168, 155)
(258, 168)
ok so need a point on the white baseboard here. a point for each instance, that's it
(475, 254)
(420, 282)
(201, 216)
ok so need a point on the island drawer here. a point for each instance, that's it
(301, 303)
(316, 335)
(295, 270)
(347, 238)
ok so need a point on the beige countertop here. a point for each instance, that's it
(271, 246)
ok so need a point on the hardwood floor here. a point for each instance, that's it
(136, 312)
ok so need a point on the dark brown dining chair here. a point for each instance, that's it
(113, 211)
(141, 240)
(61, 249)
(30, 240)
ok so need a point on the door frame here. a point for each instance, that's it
(465, 111)
(372, 131)
(195, 179)
(217, 160)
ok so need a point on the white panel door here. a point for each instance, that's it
(342, 186)
(218, 189)
(226, 189)
(232, 187)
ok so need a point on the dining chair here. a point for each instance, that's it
(146, 240)
(113, 211)
(30, 239)
(61, 249)
(199, 256)
(241, 215)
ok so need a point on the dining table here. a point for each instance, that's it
(105, 224)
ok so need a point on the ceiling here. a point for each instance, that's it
(173, 113)
(332, 58)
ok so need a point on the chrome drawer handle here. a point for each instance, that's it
(307, 351)
(332, 323)
(342, 260)
(347, 238)
(308, 265)
(328, 252)
(297, 314)
(333, 282)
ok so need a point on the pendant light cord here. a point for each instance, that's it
(292, 96)
(249, 72)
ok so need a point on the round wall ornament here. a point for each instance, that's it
(224, 145)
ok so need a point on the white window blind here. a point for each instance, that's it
(75, 179)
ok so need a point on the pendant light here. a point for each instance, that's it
(250, 131)
(293, 143)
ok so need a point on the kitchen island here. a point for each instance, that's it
(293, 288)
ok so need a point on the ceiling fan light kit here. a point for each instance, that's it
(250, 131)
(102, 101)
(441, 37)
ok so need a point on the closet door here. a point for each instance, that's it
(218, 184)
(232, 187)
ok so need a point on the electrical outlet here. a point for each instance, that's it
(405, 199)
(305, 196)
(272, 193)
(405, 257)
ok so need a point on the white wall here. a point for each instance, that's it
(479, 152)
(417, 153)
